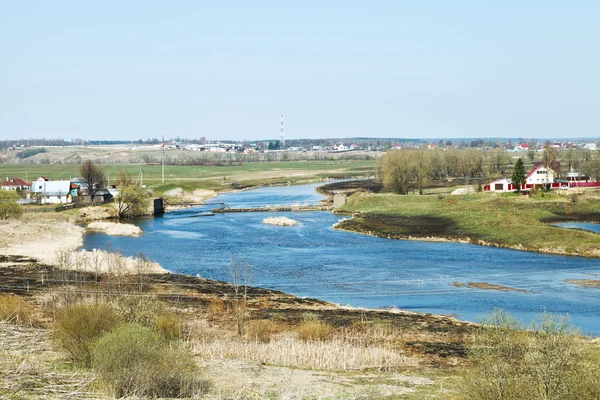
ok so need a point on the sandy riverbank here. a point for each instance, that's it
(39, 236)
(52, 240)
(115, 229)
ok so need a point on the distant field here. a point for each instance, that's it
(207, 177)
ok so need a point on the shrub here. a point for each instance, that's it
(216, 307)
(13, 309)
(141, 310)
(169, 325)
(261, 330)
(314, 330)
(547, 361)
(133, 360)
(574, 198)
(151, 313)
(78, 326)
(8, 205)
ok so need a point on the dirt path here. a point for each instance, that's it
(250, 380)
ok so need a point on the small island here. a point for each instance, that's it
(115, 229)
(280, 221)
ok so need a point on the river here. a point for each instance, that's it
(313, 260)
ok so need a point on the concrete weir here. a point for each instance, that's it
(272, 209)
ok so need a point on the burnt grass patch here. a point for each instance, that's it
(566, 216)
(340, 317)
(366, 185)
(402, 226)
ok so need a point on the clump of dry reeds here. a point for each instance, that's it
(344, 350)
(15, 310)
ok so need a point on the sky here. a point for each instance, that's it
(128, 70)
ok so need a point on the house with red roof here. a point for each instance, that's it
(15, 184)
(522, 147)
(539, 177)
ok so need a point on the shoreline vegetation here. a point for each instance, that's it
(506, 221)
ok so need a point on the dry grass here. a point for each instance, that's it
(216, 307)
(262, 331)
(170, 326)
(15, 310)
(314, 331)
(346, 350)
(30, 369)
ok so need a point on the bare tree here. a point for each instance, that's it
(532, 149)
(241, 274)
(549, 157)
(93, 176)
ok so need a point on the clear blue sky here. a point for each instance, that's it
(227, 69)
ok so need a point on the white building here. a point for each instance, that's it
(501, 185)
(57, 192)
(540, 175)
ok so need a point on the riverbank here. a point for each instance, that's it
(514, 222)
(54, 239)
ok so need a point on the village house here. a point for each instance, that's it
(521, 147)
(15, 184)
(539, 177)
(57, 192)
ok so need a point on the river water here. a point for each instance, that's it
(313, 260)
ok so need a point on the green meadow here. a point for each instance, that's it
(522, 222)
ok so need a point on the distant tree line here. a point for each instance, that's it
(30, 152)
(410, 169)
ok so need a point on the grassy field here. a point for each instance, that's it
(522, 222)
(207, 177)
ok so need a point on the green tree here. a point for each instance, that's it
(395, 171)
(518, 174)
(132, 200)
(421, 168)
(8, 205)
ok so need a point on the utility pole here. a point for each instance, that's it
(163, 159)
(282, 135)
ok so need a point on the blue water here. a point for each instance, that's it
(586, 226)
(313, 260)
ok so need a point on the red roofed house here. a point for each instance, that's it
(14, 184)
(522, 147)
(539, 177)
